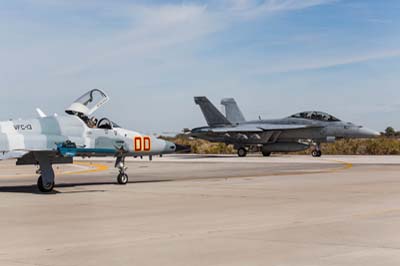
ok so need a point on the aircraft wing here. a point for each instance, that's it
(259, 128)
(272, 127)
(12, 155)
(243, 128)
(29, 158)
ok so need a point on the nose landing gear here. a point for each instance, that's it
(122, 178)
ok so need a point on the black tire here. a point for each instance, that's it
(44, 189)
(242, 152)
(266, 154)
(316, 153)
(122, 179)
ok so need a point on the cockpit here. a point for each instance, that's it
(314, 115)
(86, 105)
(106, 123)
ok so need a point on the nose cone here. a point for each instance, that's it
(171, 147)
(367, 133)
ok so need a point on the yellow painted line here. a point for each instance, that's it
(346, 165)
(95, 168)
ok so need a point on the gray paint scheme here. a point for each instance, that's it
(293, 133)
(57, 139)
(232, 111)
(212, 115)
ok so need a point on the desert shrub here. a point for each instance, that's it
(379, 146)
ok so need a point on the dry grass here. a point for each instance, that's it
(378, 146)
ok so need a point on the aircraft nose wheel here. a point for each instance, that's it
(122, 179)
(45, 188)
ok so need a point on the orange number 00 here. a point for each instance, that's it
(142, 143)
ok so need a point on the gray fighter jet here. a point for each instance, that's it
(50, 140)
(294, 133)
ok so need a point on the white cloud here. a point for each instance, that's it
(157, 28)
(153, 52)
(150, 29)
(252, 8)
(314, 63)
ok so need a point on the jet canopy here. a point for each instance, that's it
(315, 115)
(88, 103)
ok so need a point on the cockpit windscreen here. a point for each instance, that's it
(115, 125)
(314, 115)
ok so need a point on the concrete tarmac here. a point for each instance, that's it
(205, 210)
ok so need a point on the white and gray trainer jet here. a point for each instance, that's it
(50, 140)
(294, 133)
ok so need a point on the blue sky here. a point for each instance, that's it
(276, 57)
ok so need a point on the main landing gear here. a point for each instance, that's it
(317, 151)
(266, 153)
(45, 182)
(122, 176)
(242, 152)
(44, 186)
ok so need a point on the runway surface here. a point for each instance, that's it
(205, 210)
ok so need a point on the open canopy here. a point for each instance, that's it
(315, 115)
(88, 103)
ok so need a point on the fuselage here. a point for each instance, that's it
(71, 135)
(318, 131)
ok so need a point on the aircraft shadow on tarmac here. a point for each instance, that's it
(32, 189)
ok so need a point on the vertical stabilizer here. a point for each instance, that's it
(213, 117)
(232, 111)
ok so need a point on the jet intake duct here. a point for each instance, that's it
(284, 147)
